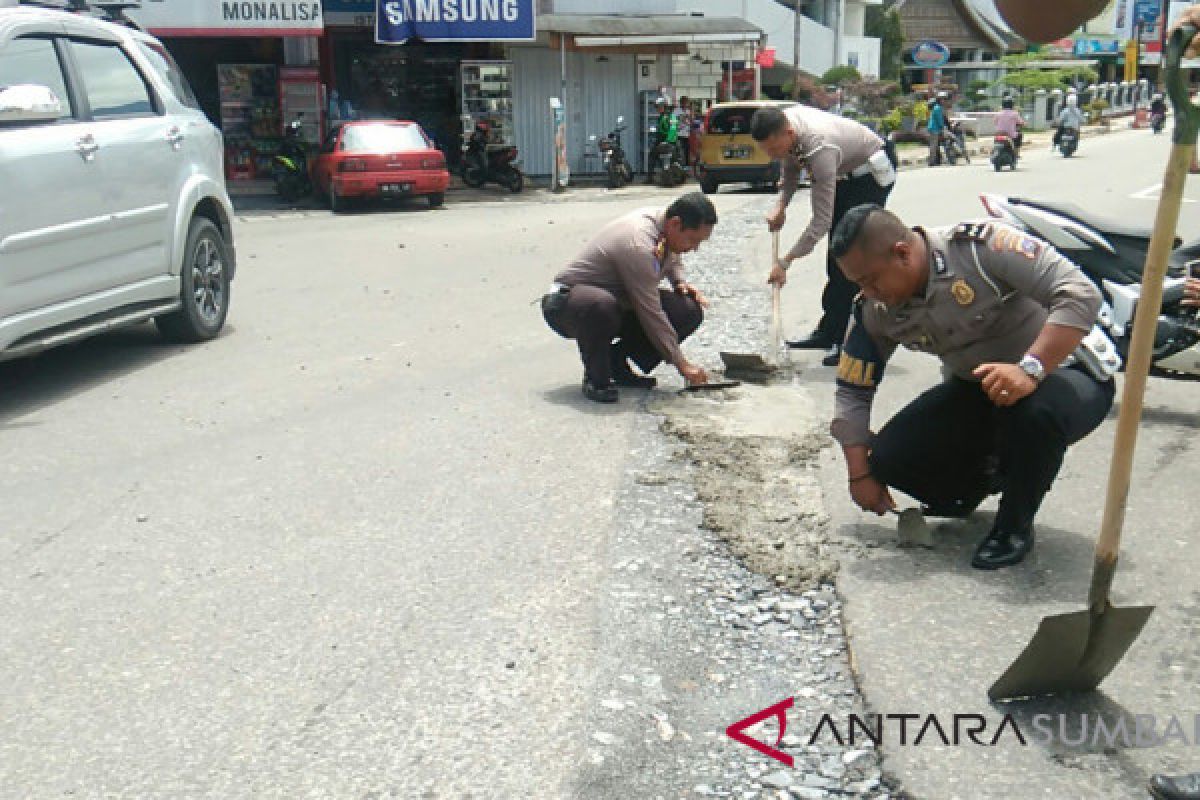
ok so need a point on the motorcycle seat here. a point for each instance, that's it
(1102, 224)
(1182, 256)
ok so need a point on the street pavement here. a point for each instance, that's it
(372, 542)
(929, 634)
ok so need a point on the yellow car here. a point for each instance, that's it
(728, 154)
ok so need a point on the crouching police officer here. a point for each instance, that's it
(610, 302)
(1003, 311)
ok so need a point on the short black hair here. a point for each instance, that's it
(867, 225)
(693, 210)
(767, 122)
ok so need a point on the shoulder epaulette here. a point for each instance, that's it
(971, 232)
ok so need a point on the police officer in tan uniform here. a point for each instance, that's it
(1003, 311)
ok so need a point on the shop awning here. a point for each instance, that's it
(604, 30)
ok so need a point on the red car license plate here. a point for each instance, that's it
(396, 188)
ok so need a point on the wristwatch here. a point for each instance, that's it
(1032, 366)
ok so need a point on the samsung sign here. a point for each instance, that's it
(454, 20)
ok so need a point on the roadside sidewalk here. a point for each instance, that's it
(916, 157)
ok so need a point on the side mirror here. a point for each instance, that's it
(27, 102)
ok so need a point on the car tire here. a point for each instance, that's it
(708, 185)
(516, 181)
(436, 200)
(204, 286)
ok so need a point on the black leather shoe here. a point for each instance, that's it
(600, 394)
(1184, 787)
(1000, 549)
(814, 341)
(832, 356)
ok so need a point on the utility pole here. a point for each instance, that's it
(796, 29)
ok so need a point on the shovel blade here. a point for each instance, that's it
(1071, 653)
(745, 362)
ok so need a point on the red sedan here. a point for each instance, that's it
(378, 158)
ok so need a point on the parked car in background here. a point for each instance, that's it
(113, 207)
(379, 159)
(728, 154)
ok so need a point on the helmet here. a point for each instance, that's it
(942, 95)
(1158, 96)
(1072, 100)
(660, 101)
(294, 128)
(1007, 102)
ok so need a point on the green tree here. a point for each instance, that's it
(837, 76)
(883, 23)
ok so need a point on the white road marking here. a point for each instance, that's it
(1151, 193)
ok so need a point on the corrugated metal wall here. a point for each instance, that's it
(597, 93)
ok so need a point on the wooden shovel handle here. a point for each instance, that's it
(776, 314)
(1138, 365)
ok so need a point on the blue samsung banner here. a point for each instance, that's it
(396, 21)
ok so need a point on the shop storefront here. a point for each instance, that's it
(253, 67)
(445, 74)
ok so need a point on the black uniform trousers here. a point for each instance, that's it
(951, 447)
(839, 290)
(608, 334)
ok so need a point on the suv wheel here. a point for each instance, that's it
(204, 286)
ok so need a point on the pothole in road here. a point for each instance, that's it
(754, 451)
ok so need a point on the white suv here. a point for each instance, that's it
(113, 207)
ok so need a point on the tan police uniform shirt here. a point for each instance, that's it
(629, 258)
(832, 147)
(991, 291)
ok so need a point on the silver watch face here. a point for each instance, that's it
(1032, 367)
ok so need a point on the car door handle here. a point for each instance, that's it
(87, 147)
(175, 137)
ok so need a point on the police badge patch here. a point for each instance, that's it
(964, 295)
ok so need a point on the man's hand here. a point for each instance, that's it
(871, 495)
(778, 274)
(1190, 16)
(1005, 384)
(1191, 292)
(775, 218)
(687, 290)
(692, 374)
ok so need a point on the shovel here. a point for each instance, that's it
(753, 362)
(1075, 652)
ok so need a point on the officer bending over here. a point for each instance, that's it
(610, 302)
(1002, 310)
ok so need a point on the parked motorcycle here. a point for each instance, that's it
(289, 167)
(616, 163)
(1004, 152)
(1112, 253)
(954, 144)
(1068, 141)
(1157, 121)
(484, 160)
(666, 163)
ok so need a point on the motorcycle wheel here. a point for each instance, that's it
(615, 176)
(677, 176)
(708, 186)
(627, 172)
(516, 182)
(474, 176)
(951, 157)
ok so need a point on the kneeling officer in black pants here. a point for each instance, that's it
(609, 301)
(1002, 310)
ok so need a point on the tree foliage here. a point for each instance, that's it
(841, 75)
(883, 22)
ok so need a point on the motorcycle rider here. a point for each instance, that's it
(1009, 122)
(666, 133)
(1069, 118)
(936, 128)
(1158, 108)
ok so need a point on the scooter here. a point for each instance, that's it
(484, 160)
(290, 166)
(666, 163)
(1004, 153)
(616, 163)
(954, 144)
(1112, 253)
(1157, 121)
(1068, 142)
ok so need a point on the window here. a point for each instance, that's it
(168, 70)
(34, 61)
(112, 83)
(384, 139)
(731, 120)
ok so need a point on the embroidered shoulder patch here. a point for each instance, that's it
(1013, 241)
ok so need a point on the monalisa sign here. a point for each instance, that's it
(230, 17)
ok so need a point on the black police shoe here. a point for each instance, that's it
(606, 393)
(624, 376)
(1184, 787)
(814, 341)
(1001, 549)
(832, 356)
